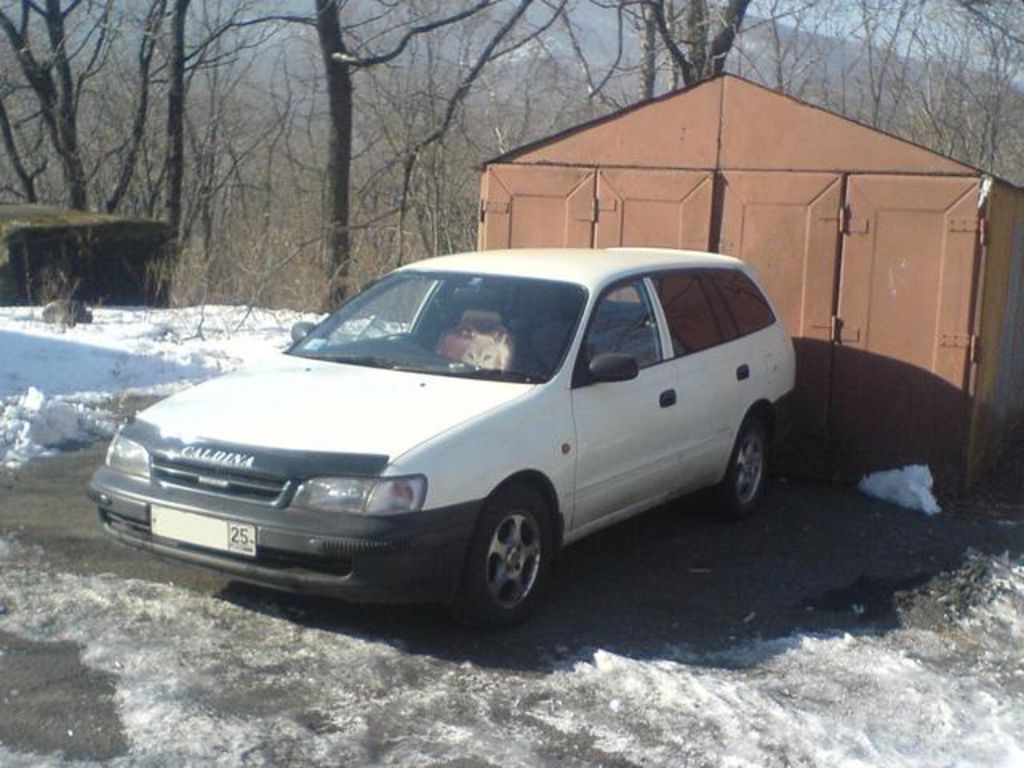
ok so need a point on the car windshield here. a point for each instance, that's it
(471, 326)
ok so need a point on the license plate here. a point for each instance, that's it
(203, 530)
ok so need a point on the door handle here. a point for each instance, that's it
(743, 372)
(667, 398)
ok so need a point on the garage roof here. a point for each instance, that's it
(730, 123)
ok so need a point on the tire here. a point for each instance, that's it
(508, 561)
(743, 487)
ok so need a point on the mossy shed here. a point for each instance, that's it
(48, 252)
(898, 271)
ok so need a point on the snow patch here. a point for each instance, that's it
(33, 425)
(62, 384)
(909, 487)
(908, 698)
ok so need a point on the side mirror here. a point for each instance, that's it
(613, 366)
(301, 331)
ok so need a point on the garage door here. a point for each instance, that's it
(906, 294)
(533, 206)
(669, 209)
(786, 226)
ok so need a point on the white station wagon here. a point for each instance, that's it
(447, 431)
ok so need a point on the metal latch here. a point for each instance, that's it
(836, 328)
(601, 205)
(968, 341)
(848, 225)
(968, 225)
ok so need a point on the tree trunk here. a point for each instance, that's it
(67, 123)
(25, 178)
(339, 147)
(649, 60)
(176, 115)
(722, 44)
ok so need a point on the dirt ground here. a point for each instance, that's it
(818, 558)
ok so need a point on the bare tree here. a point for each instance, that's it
(691, 38)
(338, 73)
(340, 63)
(50, 77)
(699, 35)
(176, 113)
(133, 142)
(80, 40)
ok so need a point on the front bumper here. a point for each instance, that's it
(404, 558)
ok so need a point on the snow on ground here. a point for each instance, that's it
(57, 385)
(204, 681)
(200, 680)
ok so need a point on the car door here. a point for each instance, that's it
(625, 457)
(752, 360)
(706, 369)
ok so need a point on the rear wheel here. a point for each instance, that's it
(508, 560)
(743, 487)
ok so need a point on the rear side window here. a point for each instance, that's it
(693, 323)
(748, 305)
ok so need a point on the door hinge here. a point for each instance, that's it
(493, 206)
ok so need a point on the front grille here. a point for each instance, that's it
(221, 481)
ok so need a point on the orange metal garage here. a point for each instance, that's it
(898, 271)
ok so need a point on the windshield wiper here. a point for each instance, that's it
(491, 374)
(371, 361)
(367, 361)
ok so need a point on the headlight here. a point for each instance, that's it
(363, 496)
(127, 456)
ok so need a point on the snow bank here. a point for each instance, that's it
(909, 487)
(33, 424)
(57, 384)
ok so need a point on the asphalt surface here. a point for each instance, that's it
(679, 575)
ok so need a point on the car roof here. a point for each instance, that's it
(591, 267)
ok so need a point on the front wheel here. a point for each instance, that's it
(508, 561)
(744, 483)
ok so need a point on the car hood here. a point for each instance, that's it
(299, 404)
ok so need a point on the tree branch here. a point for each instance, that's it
(487, 54)
(146, 48)
(412, 32)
